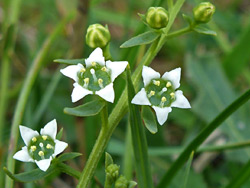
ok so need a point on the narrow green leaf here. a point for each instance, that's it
(149, 119)
(108, 160)
(68, 156)
(204, 30)
(70, 61)
(144, 38)
(188, 170)
(89, 109)
(132, 184)
(139, 139)
(187, 18)
(59, 134)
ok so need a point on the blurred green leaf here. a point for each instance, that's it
(186, 175)
(149, 119)
(59, 134)
(89, 109)
(204, 30)
(68, 156)
(187, 18)
(70, 61)
(108, 160)
(144, 38)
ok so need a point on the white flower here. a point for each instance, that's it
(40, 148)
(96, 77)
(160, 92)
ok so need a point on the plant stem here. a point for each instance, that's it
(69, 170)
(104, 116)
(23, 98)
(179, 32)
(167, 178)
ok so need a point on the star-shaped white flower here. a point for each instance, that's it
(96, 77)
(40, 148)
(160, 92)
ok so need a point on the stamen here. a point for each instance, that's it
(104, 69)
(172, 95)
(151, 93)
(49, 146)
(168, 84)
(41, 144)
(86, 82)
(100, 82)
(156, 82)
(41, 153)
(93, 64)
(92, 71)
(44, 137)
(34, 139)
(163, 100)
(33, 148)
(83, 70)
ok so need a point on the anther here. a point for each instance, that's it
(168, 84)
(100, 82)
(48, 146)
(151, 93)
(172, 95)
(86, 82)
(41, 144)
(44, 137)
(156, 82)
(41, 153)
(104, 69)
(34, 139)
(93, 63)
(33, 148)
(82, 70)
(163, 100)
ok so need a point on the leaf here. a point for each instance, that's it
(59, 134)
(132, 184)
(204, 30)
(68, 156)
(138, 139)
(187, 18)
(108, 160)
(188, 170)
(89, 109)
(149, 119)
(70, 61)
(144, 38)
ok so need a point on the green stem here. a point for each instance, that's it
(23, 98)
(167, 178)
(104, 116)
(108, 184)
(179, 32)
(69, 170)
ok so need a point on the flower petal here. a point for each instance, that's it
(148, 74)
(117, 67)
(95, 56)
(71, 71)
(181, 101)
(23, 155)
(27, 134)
(59, 147)
(50, 129)
(43, 164)
(162, 113)
(79, 92)
(141, 98)
(107, 93)
(174, 76)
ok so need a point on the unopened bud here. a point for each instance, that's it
(203, 12)
(97, 36)
(121, 182)
(112, 172)
(157, 17)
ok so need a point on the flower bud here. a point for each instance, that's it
(112, 172)
(203, 12)
(157, 17)
(122, 182)
(97, 36)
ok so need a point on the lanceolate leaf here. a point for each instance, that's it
(138, 139)
(70, 61)
(149, 119)
(204, 30)
(89, 109)
(188, 170)
(144, 38)
(68, 156)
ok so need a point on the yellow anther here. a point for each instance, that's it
(100, 81)
(34, 139)
(157, 83)
(152, 93)
(172, 95)
(93, 63)
(163, 99)
(48, 146)
(168, 84)
(104, 69)
(86, 80)
(41, 153)
(44, 137)
(33, 148)
(82, 70)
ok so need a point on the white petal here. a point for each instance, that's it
(148, 74)
(43, 164)
(141, 98)
(181, 101)
(59, 147)
(107, 93)
(95, 56)
(71, 71)
(23, 155)
(174, 76)
(50, 129)
(27, 134)
(79, 92)
(162, 114)
(117, 67)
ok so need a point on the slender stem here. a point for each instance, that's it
(107, 184)
(167, 178)
(104, 116)
(179, 32)
(69, 170)
(23, 98)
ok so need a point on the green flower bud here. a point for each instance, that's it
(122, 182)
(157, 17)
(112, 172)
(203, 12)
(97, 36)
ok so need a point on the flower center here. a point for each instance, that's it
(95, 77)
(160, 92)
(41, 147)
